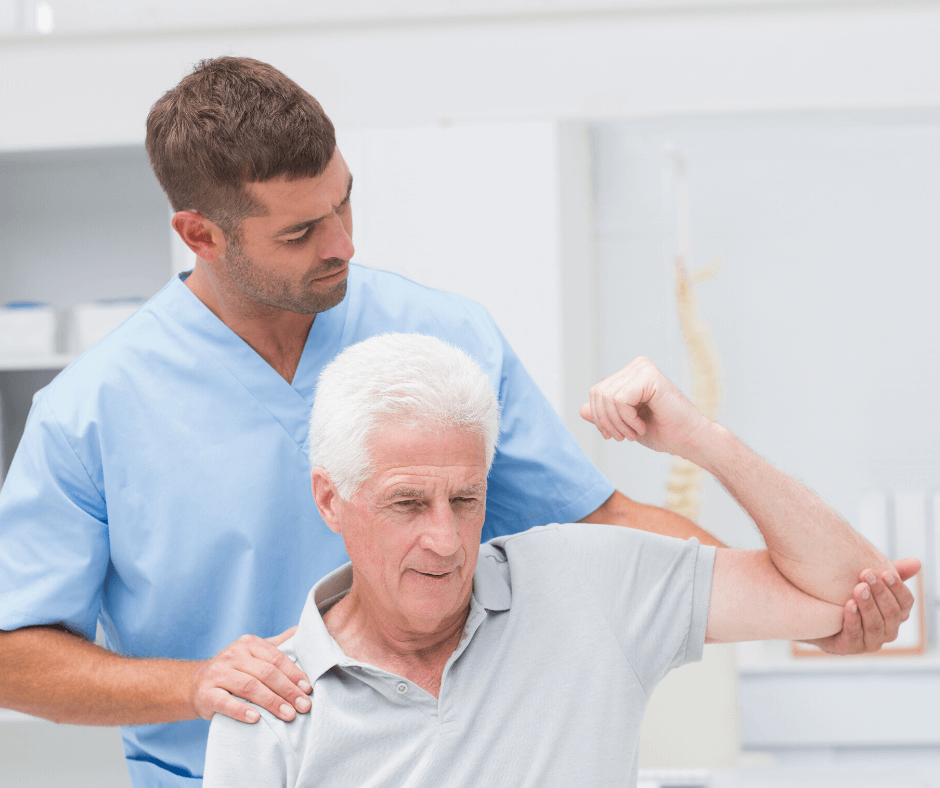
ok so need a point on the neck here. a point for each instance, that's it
(274, 334)
(419, 657)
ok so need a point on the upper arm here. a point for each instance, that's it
(54, 548)
(751, 600)
(242, 754)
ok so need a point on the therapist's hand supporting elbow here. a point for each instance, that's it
(251, 669)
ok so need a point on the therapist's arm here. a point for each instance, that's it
(808, 543)
(51, 673)
(620, 510)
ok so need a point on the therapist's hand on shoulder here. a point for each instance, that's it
(252, 669)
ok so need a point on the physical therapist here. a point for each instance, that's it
(161, 484)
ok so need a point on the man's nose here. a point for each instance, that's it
(338, 242)
(440, 532)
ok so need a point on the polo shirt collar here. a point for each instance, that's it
(491, 586)
(315, 647)
(317, 650)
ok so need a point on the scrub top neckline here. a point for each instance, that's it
(272, 392)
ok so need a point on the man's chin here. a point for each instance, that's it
(332, 297)
(321, 301)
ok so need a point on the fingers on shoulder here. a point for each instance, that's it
(219, 701)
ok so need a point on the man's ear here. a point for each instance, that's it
(199, 234)
(326, 498)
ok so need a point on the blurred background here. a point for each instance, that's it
(550, 159)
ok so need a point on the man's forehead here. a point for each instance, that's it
(404, 445)
(428, 479)
(450, 458)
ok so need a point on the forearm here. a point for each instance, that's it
(55, 675)
(807, 541)
(620, 510)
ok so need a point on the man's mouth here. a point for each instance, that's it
(333, 272)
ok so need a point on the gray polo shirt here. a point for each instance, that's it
(570, 628)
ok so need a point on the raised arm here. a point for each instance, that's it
(813, 557)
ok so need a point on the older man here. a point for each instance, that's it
(527, 660)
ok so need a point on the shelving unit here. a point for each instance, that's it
(75, 226)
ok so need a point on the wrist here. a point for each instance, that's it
(709, 447)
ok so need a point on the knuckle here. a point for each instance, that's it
(277, 658)
(232, 708)
(245, 685)
(267, 673)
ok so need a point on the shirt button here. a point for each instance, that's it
(402, 688)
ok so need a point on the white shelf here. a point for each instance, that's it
(880, 665)
(10, 362)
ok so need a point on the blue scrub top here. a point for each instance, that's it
(162, 483)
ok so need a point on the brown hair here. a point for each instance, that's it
(233, 121)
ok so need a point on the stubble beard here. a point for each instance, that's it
(271, 292)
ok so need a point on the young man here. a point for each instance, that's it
(161, 483)
(527, 661)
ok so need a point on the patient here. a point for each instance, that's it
(528, 660)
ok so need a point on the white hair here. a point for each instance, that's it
(407, 379)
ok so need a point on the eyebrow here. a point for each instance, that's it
(305, 225)
(407, 492)
(473, 489)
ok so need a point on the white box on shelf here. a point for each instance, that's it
(92, 322)
(27, 328)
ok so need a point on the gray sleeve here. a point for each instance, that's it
(653, 591)
(240, 754)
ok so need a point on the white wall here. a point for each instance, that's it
(474, 211)
(823, 312)
(417, 68)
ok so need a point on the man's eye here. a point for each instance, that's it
(299, 239)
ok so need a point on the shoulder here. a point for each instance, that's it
(243, 754)
(135, 345)
(384, 302)
(388, 285)
(589, 545)
(406, 305)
